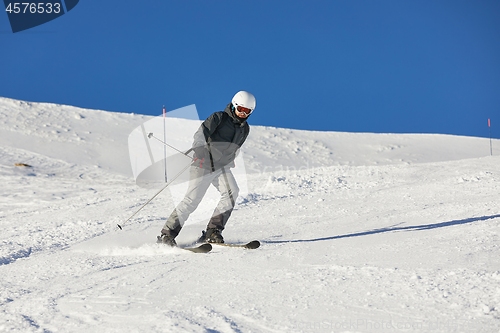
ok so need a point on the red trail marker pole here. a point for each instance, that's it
(489, 127)
(165, 139)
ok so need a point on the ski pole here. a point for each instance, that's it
(151, 135)
(154, 196)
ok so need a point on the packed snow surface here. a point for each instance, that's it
(360, 232)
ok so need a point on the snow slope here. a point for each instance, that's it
(360, 232)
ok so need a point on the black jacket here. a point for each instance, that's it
(219, 138)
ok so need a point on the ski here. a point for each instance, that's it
(203, 248)
(250, 245)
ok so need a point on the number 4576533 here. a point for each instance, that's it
(33, 8)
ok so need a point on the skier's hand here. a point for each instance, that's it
(201, 152)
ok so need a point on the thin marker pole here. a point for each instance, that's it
(165, 139)
(491, 147)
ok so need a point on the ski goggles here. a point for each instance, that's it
(243, 109)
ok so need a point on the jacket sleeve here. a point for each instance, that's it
(207, 128)
(237, 152)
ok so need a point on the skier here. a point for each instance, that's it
(216, 145)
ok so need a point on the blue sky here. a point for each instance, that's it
(335, 65)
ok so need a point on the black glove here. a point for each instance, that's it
(201, 152)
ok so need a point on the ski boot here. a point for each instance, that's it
(167, 238)
(212, 235)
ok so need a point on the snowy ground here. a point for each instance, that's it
(360, 233)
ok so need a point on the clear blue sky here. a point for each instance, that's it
(395, 66)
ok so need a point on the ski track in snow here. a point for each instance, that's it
(360, 233)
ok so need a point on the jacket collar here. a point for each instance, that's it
(234, 117)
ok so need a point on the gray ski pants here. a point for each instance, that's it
(199, 181)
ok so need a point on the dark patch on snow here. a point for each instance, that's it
(24, 253)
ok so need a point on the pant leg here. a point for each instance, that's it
(229, 190)
(199, 181)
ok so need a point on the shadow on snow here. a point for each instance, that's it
(392, 229)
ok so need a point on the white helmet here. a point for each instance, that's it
(244, 99)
